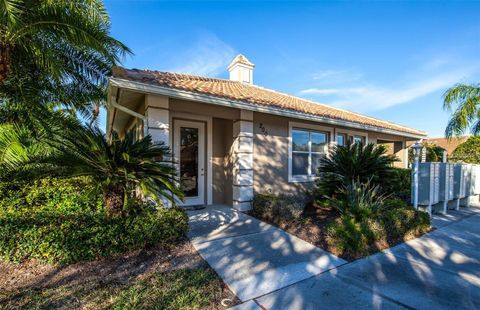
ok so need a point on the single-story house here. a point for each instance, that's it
(232, 138)
(448, 144)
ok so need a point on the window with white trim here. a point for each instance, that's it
(308, 147)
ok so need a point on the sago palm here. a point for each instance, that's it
(464, 102)
(120, 166)
(56, 51)
(354, 163)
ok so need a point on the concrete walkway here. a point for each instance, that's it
(440, 270)
(252, 257)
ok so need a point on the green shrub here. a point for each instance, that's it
(400, 183)
(49, 194)
(467, 152)
(353, 237)
(282, 208)
(434, 152)
(63, 221)
(394, 202)
(404, 222)
(351, 163)
(360, 200)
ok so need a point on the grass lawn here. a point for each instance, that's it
(154, 278)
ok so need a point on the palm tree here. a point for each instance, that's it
(467, 111)
(354, 163)
(120, 167)
(56, 51)
(28, 134)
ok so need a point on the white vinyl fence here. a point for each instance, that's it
(444, 186)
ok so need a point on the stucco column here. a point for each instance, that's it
(158, 123)
(243, 161)
(158, 118)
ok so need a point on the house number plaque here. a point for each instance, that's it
(263, 129)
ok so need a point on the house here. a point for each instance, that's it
(448, 144)
(232, 138)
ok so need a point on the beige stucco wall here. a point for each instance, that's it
(270, 149)
(270, 156)
(222, 137)
(184, 106)
(271, 152)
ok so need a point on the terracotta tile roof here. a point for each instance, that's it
(251, 94)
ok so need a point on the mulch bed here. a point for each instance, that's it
(313, 228)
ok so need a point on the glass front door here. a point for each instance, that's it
(189, 152)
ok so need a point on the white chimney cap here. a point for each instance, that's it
(241, 69)
(240, 59)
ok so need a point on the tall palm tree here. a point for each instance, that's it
(56, 51)
(28, 134)
(466, 99)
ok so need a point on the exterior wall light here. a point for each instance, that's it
(417, 148)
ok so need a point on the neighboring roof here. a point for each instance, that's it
(240, 59)
(251, 94)
(448, 144)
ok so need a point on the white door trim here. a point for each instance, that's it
(177, 116)
(201, 169)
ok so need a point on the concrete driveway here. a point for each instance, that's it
(440, 270)
(254, 258)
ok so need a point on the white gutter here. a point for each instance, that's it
(113, 102)
(181, 94)
(128, 111)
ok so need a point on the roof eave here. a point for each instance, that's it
(182, 94)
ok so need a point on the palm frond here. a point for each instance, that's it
(62, 52)
(354, 163)
(464, 100)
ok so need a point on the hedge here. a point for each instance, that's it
(63, 222)
(353, 238)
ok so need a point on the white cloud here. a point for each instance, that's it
(337, 75)
(208, 56)
(434, 75)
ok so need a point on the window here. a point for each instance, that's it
(308, 147)
(357, 139)
(341, 139)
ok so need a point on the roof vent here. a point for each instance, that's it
(241, 69)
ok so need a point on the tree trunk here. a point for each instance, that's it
(5, 60)
(113, 196)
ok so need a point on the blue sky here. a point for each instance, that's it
(391, 60)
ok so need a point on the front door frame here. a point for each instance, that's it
(207, 120)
